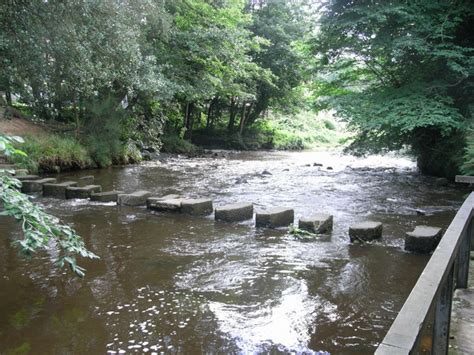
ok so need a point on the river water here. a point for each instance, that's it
(179, 284)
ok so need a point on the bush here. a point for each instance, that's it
(174, 144)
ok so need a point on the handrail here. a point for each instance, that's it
(434, 287)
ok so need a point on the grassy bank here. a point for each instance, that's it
(52, 152)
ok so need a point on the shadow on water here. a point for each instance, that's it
(181, 284)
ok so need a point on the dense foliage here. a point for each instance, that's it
(40, 229)
(401, 73)
(126, 73)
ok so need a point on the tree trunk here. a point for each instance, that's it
(230, 126)
(8, 98)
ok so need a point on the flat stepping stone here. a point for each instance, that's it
(423, 239)
(275, 217)
(164, 205)
(108, 196)
(197, 207)
(57, 190)
(21, 172)
(137, 198)
(365, 231)
(7, 166)
(31, 186)
(318, 223)
(234, 213)
(27, 177)
(83, 192)
(85, 180)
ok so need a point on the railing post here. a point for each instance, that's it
(442, 316)
(462, 274)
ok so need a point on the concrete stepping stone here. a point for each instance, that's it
(275, 217)
(7, 166)
(164, 205)
(423, 239)
(365, 231)
(234, 213)
(137, 198)
(21, 172)
(108, 196)
(27, 177)
(82, 192)
(85, 181)
(318, 223)
(57, 190)
(30, 186)
(197, 207)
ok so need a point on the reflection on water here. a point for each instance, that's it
(178, 284)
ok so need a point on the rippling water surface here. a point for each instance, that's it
(179, 284)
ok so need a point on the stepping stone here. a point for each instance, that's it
(164, 205)
(21, 172)
(108, 196)
(57, 190)
(423, 239)
(30, 186)
(82, 192)
(137, 198)
(27, 177)
(275, 217)
(7, 166)
(85, 181)
(235, 212)
(365, 231)
(319, 223)
(197, 207)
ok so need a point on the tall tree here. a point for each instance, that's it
(401, 73)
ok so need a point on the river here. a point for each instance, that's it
(180, 284)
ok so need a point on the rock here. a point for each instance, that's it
(57, 190)
(423, 239)
(21, 172)
(441, 182)
(286, 169)
(85, 180)
(319, 223)
(241, 180)
(266, 172)
(365, 231)
(235, 212)
(307, 165)
(82, 192)
(330, 168)
(27, 177)
(108, 196)
(317, 164)
(198, 207)
(170, 203)
(137, 198)
(30, 186)
(275, 217)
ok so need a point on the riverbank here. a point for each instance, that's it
(61, 148)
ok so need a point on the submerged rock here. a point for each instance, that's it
(85, 180)
(365, 231)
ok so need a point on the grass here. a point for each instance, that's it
(53, 153)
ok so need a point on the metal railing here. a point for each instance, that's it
(448, 268)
